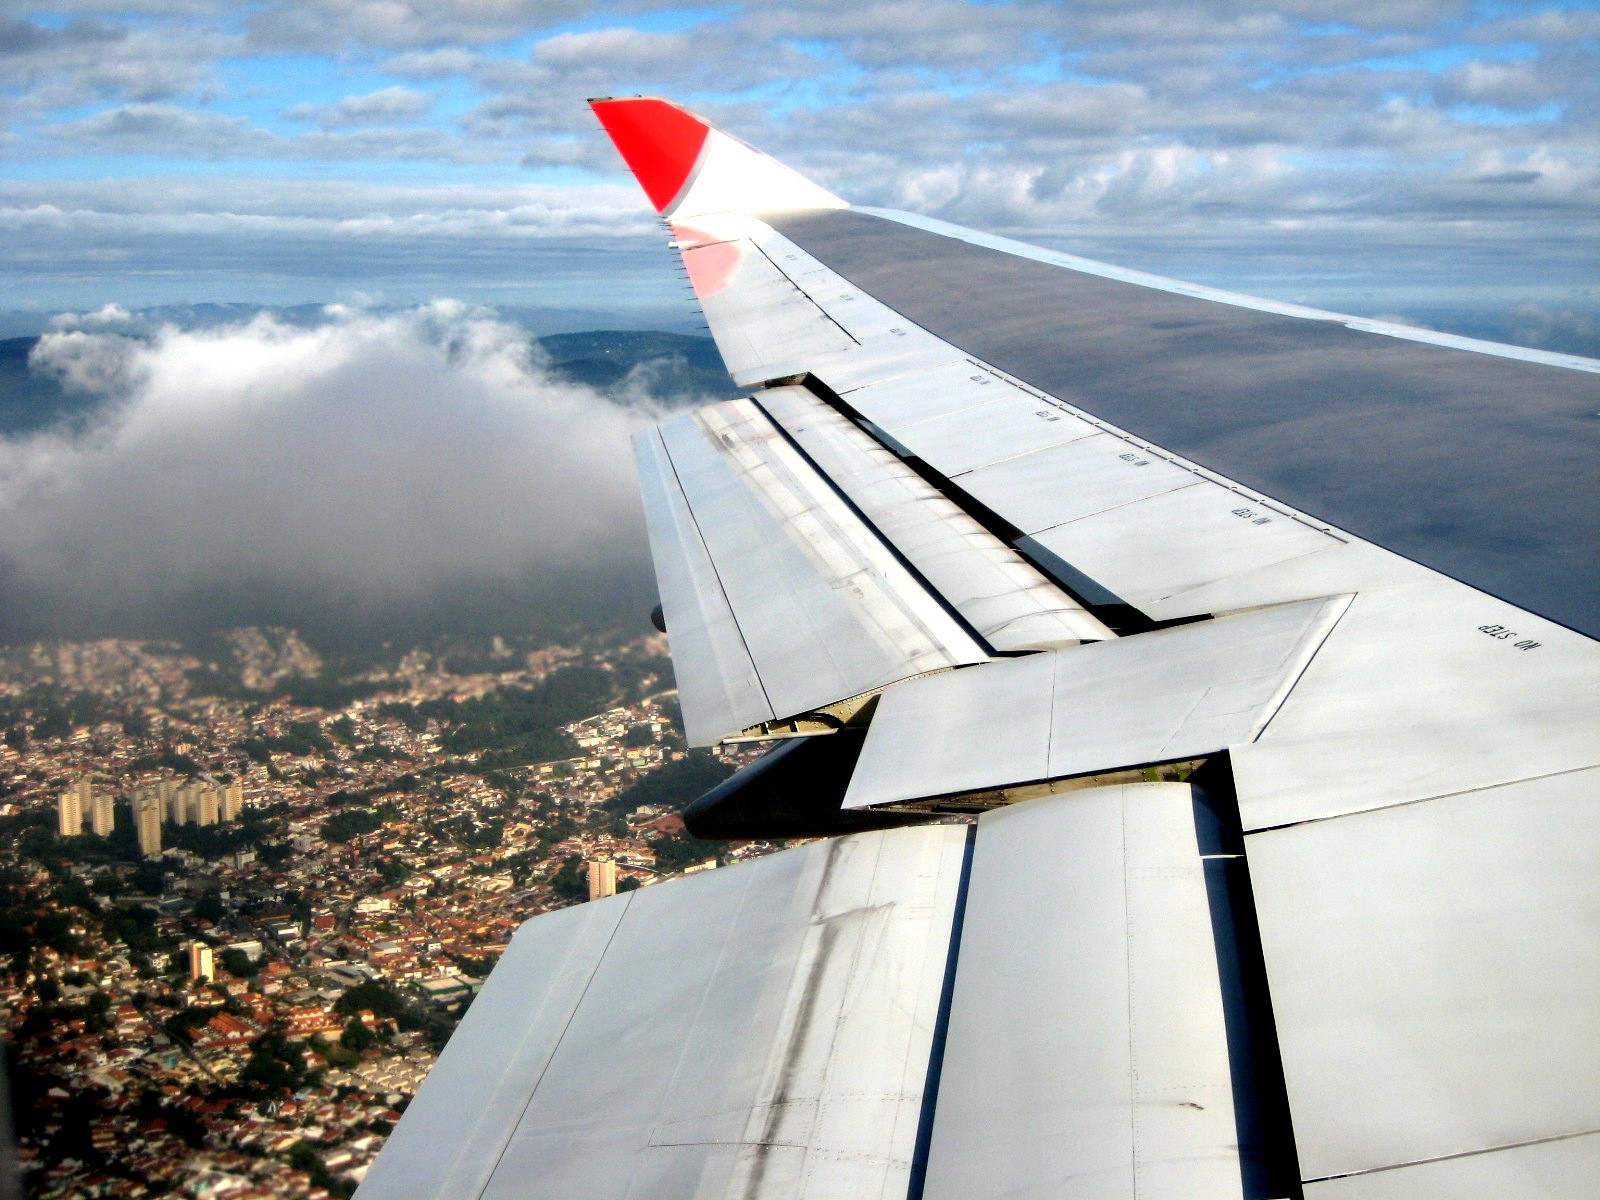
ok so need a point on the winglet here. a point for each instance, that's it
(688, 168)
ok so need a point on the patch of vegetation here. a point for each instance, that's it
(352, 823)
(674, 785)
(514, 726)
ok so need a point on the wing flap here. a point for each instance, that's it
(1474, 693)
(1008, 422)
(1167, 696)
(470, 1103)
(822, 609)
(1087, 1055)
(837, 1018)
(762, 1031)
(718, 687)
(1211, 533)
(1403, 944)
(1105, 473)
(1007, 602)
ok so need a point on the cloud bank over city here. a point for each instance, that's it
(377, 475)
(1394, 158)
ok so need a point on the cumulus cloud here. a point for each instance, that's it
(87, 59)
(365, 475)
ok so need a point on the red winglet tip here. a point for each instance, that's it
(659, 141)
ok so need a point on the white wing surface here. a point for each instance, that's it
(1012, 536)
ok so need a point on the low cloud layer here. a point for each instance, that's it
(384, 475)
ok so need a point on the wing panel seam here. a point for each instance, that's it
(894, 551)
(1486, 787)
(810, 299)
(1437, 1158)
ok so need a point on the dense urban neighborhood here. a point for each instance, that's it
(247, 891)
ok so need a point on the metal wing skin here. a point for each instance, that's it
(1253, 646)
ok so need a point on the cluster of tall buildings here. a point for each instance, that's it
(80, 803)
(167, 801)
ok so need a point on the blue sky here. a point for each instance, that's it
(1425, 155)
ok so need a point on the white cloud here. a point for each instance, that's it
(321, 25)
(432, 64)
(87, 60)
(391, 105)
(376, 461)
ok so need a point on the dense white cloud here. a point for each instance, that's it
(378, 464)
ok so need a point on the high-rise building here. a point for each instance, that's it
(202, 965)
(147, 820)
(232, 801)
(171, 797)
(69, 810)
(102, 812)
(207, 805)
(602, 876)
(191, 802)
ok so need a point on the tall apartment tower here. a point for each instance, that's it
(147, 821)
(206, 805)
(172, 801)
(102, 813)
(202, 964)
(191, 793)
(602, 876)
(232, 801)
(69, 809)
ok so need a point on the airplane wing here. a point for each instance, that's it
(1198, 700)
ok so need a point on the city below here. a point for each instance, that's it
(246, 892)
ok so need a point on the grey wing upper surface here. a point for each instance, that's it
(1252, 646)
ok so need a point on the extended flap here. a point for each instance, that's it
(1173, 694)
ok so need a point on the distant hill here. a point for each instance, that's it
(673, 368)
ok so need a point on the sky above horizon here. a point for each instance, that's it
(1398, 159)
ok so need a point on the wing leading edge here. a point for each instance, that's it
(999, 532)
